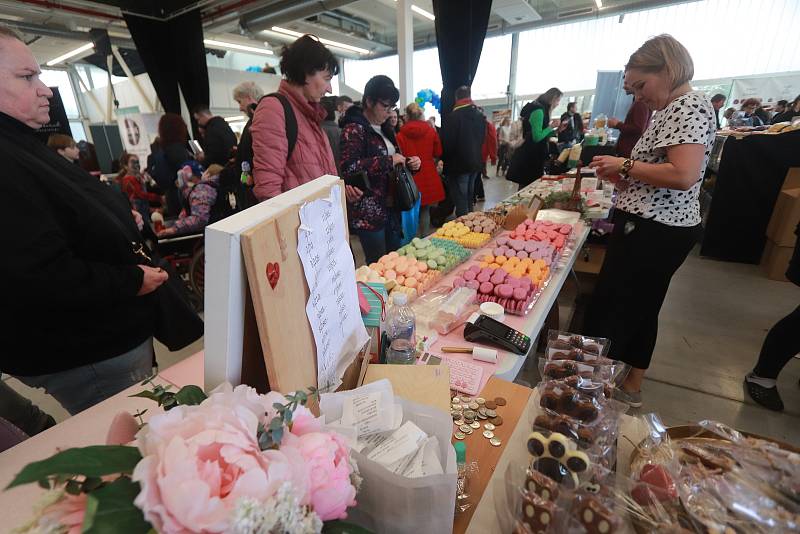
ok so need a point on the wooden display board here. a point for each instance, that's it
(280, 293)
(257, 329)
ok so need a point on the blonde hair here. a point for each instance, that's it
(664, 53)
(214, 169)
(414, 112)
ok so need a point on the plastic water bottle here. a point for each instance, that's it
(401, 327)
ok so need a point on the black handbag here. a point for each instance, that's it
(177, 324)
(406, 191)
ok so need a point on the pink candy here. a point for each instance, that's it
(486, 288)
(469, 275)
(505, 291)
(519, 293)
(472, 284)
(483, 277)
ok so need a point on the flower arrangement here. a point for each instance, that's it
(234, 461)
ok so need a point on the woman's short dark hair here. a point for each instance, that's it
(172, 129)
(304, 57)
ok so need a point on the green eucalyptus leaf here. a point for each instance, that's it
(148, 395)
(93, 461)
(113, 511)
(190, 395)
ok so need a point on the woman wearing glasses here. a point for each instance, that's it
(368, 146)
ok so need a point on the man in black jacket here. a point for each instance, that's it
(77, 313)
(218, 140)
(462, 137)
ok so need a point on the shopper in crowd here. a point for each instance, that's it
(762, 114)
(527, 164)
(64, 146)
(780, 345)
(728, 115)
(199, 189)
(331, 128)
(418, 138)
(570, 130)
(792, 111)
(218, 140)
(718, 101)
(394, 120)
(503, 141)
(77, 309)
(636, 122)
(488, 148)
(780, 107)
(746, 115)
(343, 103)
(657, 213)
(462, 137)
(169, 156)
(134, 185)
(308, 68)
(246, 94)
(368, 145)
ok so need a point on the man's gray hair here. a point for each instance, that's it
(247, 89)
(9, 33)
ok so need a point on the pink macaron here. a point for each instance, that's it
(486, 288)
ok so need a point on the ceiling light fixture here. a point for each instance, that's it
(419, 11)
(328, 42)
(599, 3)
(428, 15)
(238, 47)
(73, 53)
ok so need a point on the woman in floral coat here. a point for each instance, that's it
(368, 145)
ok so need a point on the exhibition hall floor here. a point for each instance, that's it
(711, 327)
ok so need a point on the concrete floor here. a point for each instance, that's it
(711, 328)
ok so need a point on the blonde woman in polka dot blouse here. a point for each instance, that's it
(657, 215)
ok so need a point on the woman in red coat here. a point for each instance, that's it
(418, 138)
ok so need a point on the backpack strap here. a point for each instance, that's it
(290, 122)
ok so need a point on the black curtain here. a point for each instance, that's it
(460, 31)
(174, 55)
(751, 174)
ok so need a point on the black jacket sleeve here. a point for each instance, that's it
(41, 265)
(218, 142)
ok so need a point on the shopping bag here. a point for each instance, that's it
(410, 223)
(390, 503)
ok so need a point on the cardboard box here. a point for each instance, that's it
(775, 260)
(792, 180)
(785, 216)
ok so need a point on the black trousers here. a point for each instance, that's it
(780, 345)
(641, 258)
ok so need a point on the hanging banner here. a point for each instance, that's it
(133, 132)
(58, 118)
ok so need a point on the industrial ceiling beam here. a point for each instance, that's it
(287, 11)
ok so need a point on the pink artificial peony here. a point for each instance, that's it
(327, 458)
(198, 461)
(304, 422)
(67, 512)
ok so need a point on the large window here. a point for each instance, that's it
(491, 79)
(726, 38)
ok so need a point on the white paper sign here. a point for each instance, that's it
(332, 307)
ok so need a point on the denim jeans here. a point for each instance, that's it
(82, 387)
(378, 242)
(21, 412)
(462, 189)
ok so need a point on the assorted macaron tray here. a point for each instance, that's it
(514, 287)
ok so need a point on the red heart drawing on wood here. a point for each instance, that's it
(273, 274)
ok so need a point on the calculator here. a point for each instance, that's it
(487, 330)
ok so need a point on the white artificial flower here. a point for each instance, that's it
(282, 514)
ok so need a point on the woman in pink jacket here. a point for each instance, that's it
(307, 68)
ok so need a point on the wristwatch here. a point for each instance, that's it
(626, 167)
